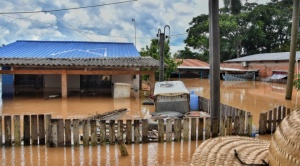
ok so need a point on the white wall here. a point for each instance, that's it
(127, 79)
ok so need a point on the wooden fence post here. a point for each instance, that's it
(137, 135)
(111, 131)
(122, 147)
(53, 133)
(60, 133)
(68, 133)
(75, 132)
(34, 134)
(249, 126)
(269, 129)
(120, 130)
(1, 140)
(241, 130)
(7, 130)
(279, 115)
(283, 112)
(128, 131)
(186, 129)
(222, 126)
(48, 125)
(145, 131)
(41, 129)
(94, 140)
(193, 129)
(236, 125)
(200, 129)
(263, 123)
(177, 130)
(207, 128)
(86, 132)
(161, 130)
(102, 132)
(169, 131)
(17, 132)
(229, 125)
(274, 120)
(26, 130)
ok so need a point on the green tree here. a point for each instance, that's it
(256, 29)
(152, 51)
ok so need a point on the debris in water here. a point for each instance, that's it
(52, 97)
(107, 115)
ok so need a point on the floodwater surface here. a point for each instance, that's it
(255, 97)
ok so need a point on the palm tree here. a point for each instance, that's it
(234, 6)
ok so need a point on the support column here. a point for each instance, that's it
(64, 85)
(293, 47)
(214, 61)
(152, 82)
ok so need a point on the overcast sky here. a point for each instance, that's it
(109, 23)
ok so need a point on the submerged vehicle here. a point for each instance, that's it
(171, 96)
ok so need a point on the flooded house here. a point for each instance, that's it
(270, 66)
(191, 68)
(74, 66)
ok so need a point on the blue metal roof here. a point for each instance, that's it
(67, 49)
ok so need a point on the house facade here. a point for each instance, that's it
(74, 65)
(268, 64)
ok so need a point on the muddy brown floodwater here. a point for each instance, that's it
(255, 97)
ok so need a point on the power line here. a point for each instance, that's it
(72, 28)
(74, 8)
(82, 32)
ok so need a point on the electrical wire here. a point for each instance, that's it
(72, 28)
(74, 8)
(78, 30)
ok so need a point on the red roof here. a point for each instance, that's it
(192, 63)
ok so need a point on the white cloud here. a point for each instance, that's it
(112, 23)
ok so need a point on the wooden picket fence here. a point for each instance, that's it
(268, 121)
(42, 129)
(230, 114)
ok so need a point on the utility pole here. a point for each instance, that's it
(214, 62)
(133, 20)
(295, 24)
(161, 42)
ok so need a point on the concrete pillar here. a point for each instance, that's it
(64, 84)
(152, 82)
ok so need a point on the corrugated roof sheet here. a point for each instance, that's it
(67, 49)
(92, 62)
(279, 56)
(192, 64)
(73, 53)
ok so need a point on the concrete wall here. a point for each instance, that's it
(54, 81)
(127, 79)
(266, 68)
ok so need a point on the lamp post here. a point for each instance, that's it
(133, 20)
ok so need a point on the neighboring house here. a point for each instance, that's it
(73, 65)
(272, 65)
(191, 68)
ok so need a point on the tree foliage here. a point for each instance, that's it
(255, 29)
(153, 51)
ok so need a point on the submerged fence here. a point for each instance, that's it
(268, 121)
(43, 130)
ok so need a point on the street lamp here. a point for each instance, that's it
(133, 20)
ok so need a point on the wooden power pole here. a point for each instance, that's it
(294, 34)
(214, 62)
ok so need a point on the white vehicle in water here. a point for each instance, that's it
(171, 96)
